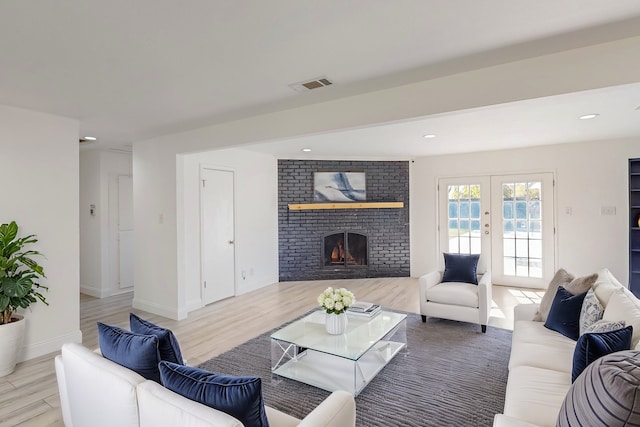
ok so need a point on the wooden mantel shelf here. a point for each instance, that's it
(347, 205)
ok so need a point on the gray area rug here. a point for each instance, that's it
(451, 375)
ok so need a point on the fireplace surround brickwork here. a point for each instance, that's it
(301, 233)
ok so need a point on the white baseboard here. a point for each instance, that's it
(93, 291)
(153, 308)
(102, 293)
(49, 346)
(121, 291)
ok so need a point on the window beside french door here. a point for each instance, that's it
(508, 220)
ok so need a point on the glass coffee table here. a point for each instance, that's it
(305, 352)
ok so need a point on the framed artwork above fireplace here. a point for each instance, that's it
(339, 187)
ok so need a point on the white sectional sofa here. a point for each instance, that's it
(540, 364)
(96, 392)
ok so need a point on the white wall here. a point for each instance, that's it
(588, 176)
(175, 287)
(40, 188)
(256, 220)
(155, 245)
(98, 257)
(156, 167)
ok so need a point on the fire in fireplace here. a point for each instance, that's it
(345, 249)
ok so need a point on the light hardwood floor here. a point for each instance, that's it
(29, 396)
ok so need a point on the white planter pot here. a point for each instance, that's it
(336, 324)
(11, 337)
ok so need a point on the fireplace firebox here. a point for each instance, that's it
(345, 249)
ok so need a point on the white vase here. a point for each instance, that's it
(336, 324)
(11, 336)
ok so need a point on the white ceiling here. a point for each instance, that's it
(541, 121)
(130, 70)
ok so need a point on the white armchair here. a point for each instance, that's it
(464, 302)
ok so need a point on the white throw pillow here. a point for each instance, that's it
(606, 284)
(591, 311)
(623, 305)
(605, 326)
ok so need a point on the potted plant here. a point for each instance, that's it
(19, 273)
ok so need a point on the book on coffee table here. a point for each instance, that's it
(363, 309)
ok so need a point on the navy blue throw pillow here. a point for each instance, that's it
(240, 397)
(593, 345)
(461, 268)
(134, 351)
(564, 315)
(167, 343)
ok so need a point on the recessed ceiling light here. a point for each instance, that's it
(429, 135)
(306, 150)
(88, 139)
(588, 116)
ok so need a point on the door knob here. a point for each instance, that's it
(231, 242)
(486, 232)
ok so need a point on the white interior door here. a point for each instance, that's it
(523, 237)
(217, 225)
(125, 231)
(465, 218)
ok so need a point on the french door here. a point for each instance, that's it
(465, 218)
(507, 219)
(523, 239)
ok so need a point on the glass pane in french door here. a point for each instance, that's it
(463, 219)
(522, 229)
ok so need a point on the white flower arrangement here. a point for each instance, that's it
(335, 301)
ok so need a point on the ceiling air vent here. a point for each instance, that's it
(312, 84)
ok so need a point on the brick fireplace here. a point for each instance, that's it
(343, 243)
